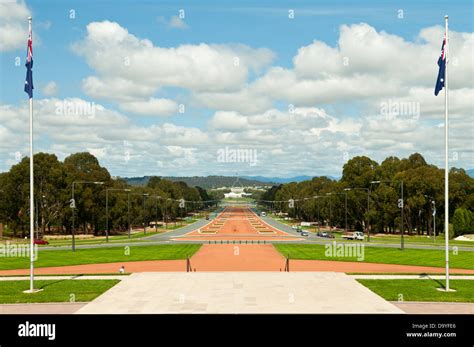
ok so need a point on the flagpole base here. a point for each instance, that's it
(29, 291)
(446, 291)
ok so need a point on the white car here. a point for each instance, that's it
(356, 235)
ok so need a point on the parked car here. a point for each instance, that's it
(325, 234)
(263, 214)
(304, 233)
(297, 228)
(41, 242)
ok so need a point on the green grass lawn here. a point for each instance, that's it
(421, 290)
(420, 240)
(134, 237)
(422, 257)
(47, 258)
(11, 292)
(137, 237)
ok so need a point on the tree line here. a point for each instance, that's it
(53, 179)
(373, 193)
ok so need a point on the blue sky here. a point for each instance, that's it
(347, 124)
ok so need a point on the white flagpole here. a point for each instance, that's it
(32, 203)
(446, 160)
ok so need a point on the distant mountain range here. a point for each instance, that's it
(208, 182)
(278, 179)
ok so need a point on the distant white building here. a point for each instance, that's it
(236, 192)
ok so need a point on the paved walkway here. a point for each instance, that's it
(47, 308)
(415, 307)
(407, 307)
(238, 292)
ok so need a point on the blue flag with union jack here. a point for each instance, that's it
(29, 67)
(442, 69)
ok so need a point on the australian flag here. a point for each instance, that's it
(442, 69)
(29, 67)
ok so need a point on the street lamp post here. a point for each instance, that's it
(128, 217)
(156, 215)
(368, 208)
(144, 214)
(345, 194)
(73, 207)
(107, 209)
(401, 206)
(433, 209)
(434, 220)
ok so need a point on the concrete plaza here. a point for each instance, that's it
(239, 292)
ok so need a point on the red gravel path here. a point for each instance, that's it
(237, 223)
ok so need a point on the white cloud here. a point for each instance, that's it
(298, 118)
(151, 107)
(50, 89)
(8, 138)
(246, 100)
(114, 88)
(305, 140)
(108, 134)
(362, 51)
(13, 24)
(118, 56)
(364, 66)
(228, 121)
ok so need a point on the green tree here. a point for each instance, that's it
(90, 199)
